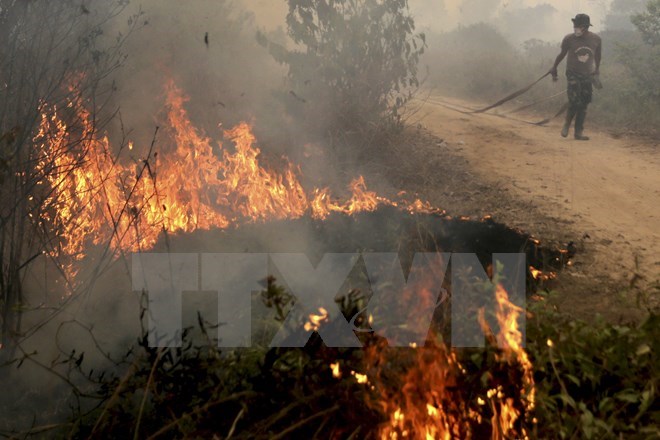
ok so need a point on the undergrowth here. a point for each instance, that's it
(593, 380)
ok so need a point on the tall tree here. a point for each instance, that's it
(620, 12)
(648, 23)
(354, 65)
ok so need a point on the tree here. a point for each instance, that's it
(53, 55)
(648, 23)
(618, 16)
(642, 63)
(354, 65)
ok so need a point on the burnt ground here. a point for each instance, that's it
(467, 166)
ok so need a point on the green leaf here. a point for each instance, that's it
(568, 400)
(630, 396)
(573, 379)
(606, 405)
(643, 349)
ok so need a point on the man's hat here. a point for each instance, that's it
(581, 20)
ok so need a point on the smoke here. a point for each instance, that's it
(209, 49)
(519, 20)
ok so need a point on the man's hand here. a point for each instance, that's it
(595, 79)
(553, 72)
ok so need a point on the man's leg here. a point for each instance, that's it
(573, 92)
(580, 117)
(585, 93)
(572, 111)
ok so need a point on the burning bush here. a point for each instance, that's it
(588, 381)
(52, 55)
(316, 392)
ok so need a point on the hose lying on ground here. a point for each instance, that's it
(511, 96)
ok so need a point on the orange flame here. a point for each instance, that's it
(315, 321)
(425, 401)
(96, 198)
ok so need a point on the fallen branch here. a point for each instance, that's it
(201, 410)
(303, 422)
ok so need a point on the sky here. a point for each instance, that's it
(431, 14)
(569, 8)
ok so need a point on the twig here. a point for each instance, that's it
(200, 410)
(554, 369)
(284, 411)
(114, 397)
(354, 433)
(233, 425)
(303, 422)
(146, 393)
(320, 428)
(41, 429)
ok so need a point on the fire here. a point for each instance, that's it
(423, 406)
(92, 196)
(540, 275)
(360, 378)
(362, 200)
(336, 371)
(510, 339)
(315, 321)
(427, 400)
(96, 196)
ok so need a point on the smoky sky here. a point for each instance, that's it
(518, 20)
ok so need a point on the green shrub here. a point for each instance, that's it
(595, 380)
(648, 23)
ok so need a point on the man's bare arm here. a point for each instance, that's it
(558, 60)
(597, 58)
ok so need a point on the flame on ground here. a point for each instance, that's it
(423, 393)
(315, 321)
(90, 195)
(95, 196)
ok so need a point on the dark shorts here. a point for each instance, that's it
(580, 90)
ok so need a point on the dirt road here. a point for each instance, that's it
(606, 191)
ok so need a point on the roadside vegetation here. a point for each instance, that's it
(594, 380)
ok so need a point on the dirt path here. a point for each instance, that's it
(605, 192)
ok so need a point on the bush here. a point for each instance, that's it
(53, 55)
(648, 23)
(596, 379)
(630, 73)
